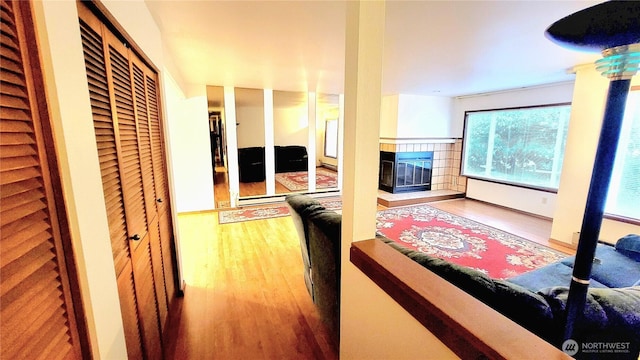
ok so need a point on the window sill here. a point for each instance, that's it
(623, 219)
(456, 318)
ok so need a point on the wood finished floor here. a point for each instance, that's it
(530, 227)
(245, 296)
(221, 187)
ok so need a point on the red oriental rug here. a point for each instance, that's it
(299, 180)
(269, 211)
(465, 242)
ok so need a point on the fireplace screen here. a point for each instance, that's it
(410, 171)
(413, 172)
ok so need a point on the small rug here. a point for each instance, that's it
(269, 211)
(465, 242)
(299, 180)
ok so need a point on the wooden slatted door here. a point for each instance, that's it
(111, 182)
(123, 91)
(122, 100)
(37, 304)
(148, 183)
(161, 186)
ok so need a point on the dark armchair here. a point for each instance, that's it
(251, 164)
(291, 158)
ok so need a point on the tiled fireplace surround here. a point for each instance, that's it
(446, 162)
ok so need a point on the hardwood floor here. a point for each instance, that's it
(245, 296)
(530, 227)
(221, 188)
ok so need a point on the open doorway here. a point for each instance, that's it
(218, 139)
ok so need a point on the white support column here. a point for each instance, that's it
(269, 152)
(311, 143)
(232, 144)
(340, 158)
(363, 89)
(362, 100)
(372, 325)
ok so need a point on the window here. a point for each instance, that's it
(624, 190)
(331, 139)
(523, 146)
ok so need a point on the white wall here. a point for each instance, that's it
(389, 116)
(424, 116)
(416, 116)
(584, 129)
(533, 201)
(190, 149)
(290, 125)
(250, 132)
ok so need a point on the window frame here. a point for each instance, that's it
(326, 136)
(500, 181)
(614, 216)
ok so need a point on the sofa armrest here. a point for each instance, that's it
(324, 249)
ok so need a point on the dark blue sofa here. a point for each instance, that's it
(614, 266)
(535, 300)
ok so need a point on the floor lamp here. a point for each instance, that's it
(613, 28)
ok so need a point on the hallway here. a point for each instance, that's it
(245, 296)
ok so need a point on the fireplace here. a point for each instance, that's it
(405, 171)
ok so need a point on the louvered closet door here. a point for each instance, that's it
(148, 182)
(122, 100)
(111, 181)
(161, 186)
(157, 145)
(127, 125)
(37, 309)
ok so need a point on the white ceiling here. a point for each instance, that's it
(438, 48)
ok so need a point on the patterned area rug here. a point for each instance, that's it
(462, 241)
(299, 180)
(269, 211)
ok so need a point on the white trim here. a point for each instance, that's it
(269, 152)
(417, 140)
(311, 143)
(263, 200)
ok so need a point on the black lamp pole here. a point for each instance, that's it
(613, 28)
(596, 199)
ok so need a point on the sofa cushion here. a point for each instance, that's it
(630, 246)
(555, 274)
(611, 267)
